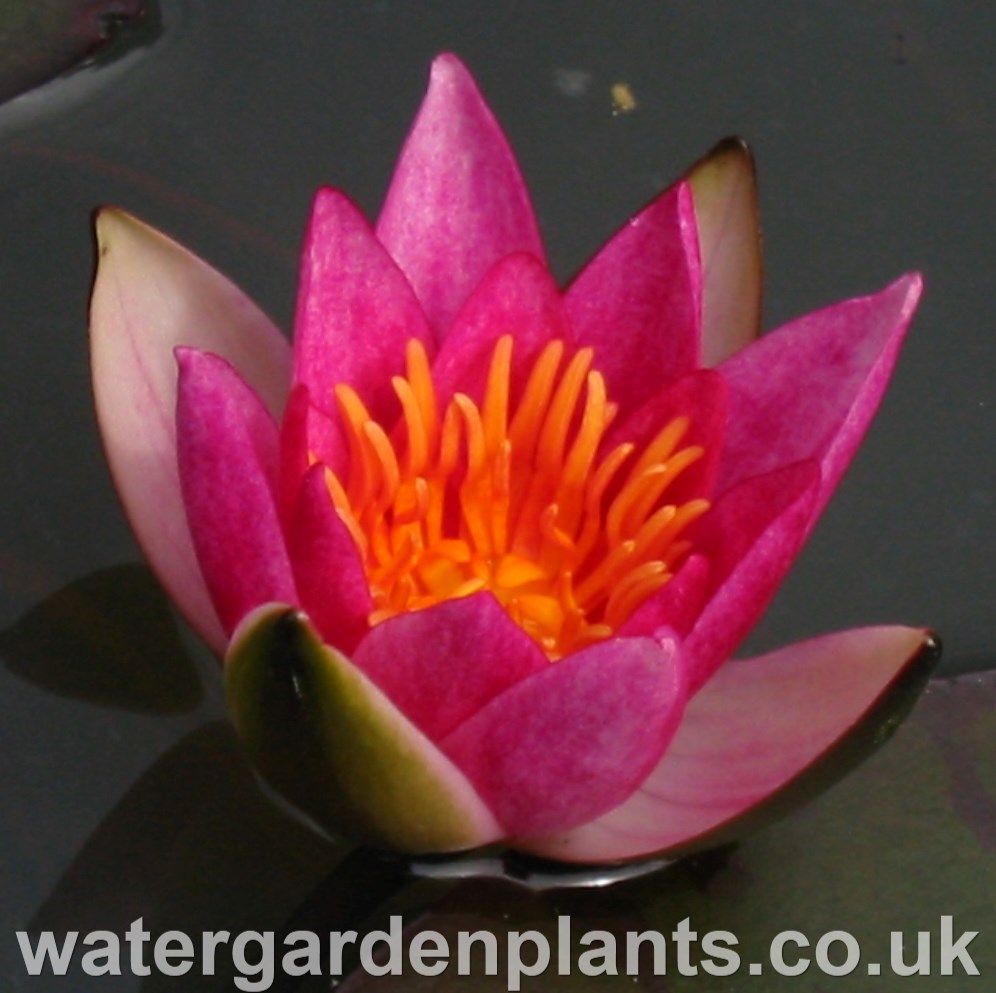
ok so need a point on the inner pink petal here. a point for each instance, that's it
(306, 434)
(457, 202)
(518, 297)
(701, 397)
(441, 665)
(638, 302)
(750, 538)
(355, 311)
(676, 605)
(327, 566)
(575, 739)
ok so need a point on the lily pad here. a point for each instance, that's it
(40, 39)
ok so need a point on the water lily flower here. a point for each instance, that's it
(477, 550)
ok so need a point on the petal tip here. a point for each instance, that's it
(332, 199)
(930, 650)
(732, 146)
(913, 284)
(907, 288)
(283, 619)
(113, 224)
(449, 70)
(106, 220)
(684, 196)
(333, 215)
(185, 357)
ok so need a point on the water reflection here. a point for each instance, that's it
(534, 874)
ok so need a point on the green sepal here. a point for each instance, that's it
(329, 742)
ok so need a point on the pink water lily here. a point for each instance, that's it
(478, 550)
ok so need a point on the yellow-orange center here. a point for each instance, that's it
(521, 502)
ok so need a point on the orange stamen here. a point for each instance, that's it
(515, 496)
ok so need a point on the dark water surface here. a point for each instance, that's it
(875, 136)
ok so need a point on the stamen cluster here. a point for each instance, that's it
(518, 499)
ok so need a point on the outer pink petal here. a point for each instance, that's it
(638, 301)
(574, 740)
(441, 665)
(151, 295)
(457, 202)
(517, 296)
(730, 237)
(228, 454)
(757, 726)
(809, 389)
(355, 310)
(327, 566)
(750, 538)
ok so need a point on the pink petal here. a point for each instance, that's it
(574, 740)
(809, 389)
(457, 202)
(700, 396)
(675, 606)
(306, 434)
(355, 311)
(149, 296)
(516, 296)
(750, 538)
(806, 712)
(726, 210)
(327, 566)
(228, 454)
(441, 665)
(638, 301)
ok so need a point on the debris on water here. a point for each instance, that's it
(623, 100)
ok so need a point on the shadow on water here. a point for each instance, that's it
(108, 638)
(194, 845)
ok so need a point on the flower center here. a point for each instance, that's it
(519, 500)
